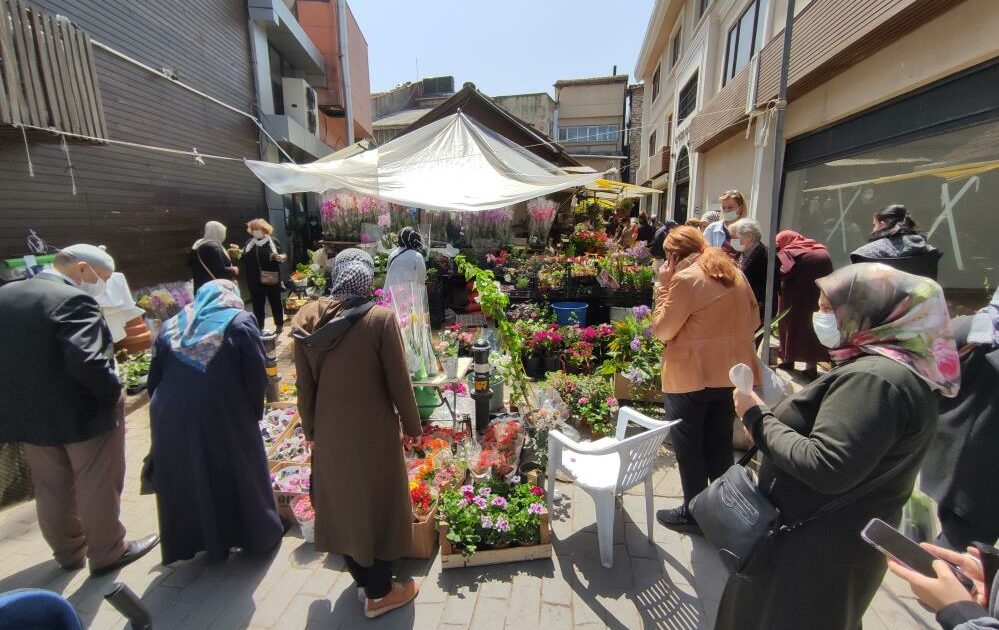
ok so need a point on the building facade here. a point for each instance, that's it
(147, 206)
(591, 116)
(895, 110)
(537, 110)
(636, 97)
(395, 110)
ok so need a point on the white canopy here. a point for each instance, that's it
(451, 164)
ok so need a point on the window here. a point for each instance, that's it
(652, 144)
(681, 186)
(833, 201)
(702, 7)
(745, 38)
(687, 102)
(589, 133)
(674, 49)
(655, 82)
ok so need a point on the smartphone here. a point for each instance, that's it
(893, 543)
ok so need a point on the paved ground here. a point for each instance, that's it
(672, 584)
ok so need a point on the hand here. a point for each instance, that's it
(937, 592)
(970, 564)
(666, 272)
(235, 271)
(745, 401)
(309, 444)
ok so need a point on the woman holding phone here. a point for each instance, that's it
(874, 413)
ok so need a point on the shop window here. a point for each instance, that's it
(949, 182)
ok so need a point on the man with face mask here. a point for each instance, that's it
(63, 401)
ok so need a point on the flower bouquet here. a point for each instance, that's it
(496, 514)
(306, 517)
(409, 300)
(274, 424)
(501, 445)
(163, 301)
(589, 242)
(540, 216)
(292, 448)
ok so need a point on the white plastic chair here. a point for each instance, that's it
(607, 468)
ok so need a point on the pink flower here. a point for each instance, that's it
(584, 400)
(945, 353)
(485, 491)
(463, 503)
(537, 491)
(384, 220)
(487, 522)
(479, 501)
(611, 402)
(499, 502)
(502, 525)
(535, 508)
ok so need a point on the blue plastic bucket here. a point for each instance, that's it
(568, 313)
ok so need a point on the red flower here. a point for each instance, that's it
(537, 491)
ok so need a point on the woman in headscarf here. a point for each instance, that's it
(210, 474)
(354, 390)
(208, 259)
(960, 471)
(867, 422)
(262, 257)
(405, 262)
(801, 261)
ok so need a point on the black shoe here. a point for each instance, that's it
(134, 550)
(680, 520)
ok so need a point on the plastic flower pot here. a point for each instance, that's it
(450, 366)
(307, 525)
(427, 401)
(532, 365)
(568, 313)
(551, 363)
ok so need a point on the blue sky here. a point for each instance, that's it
(511, 47)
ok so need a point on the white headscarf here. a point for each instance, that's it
(214, 231)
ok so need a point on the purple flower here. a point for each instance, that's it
(499, 502)
(502, 525)
(467, 490)
(636, 344)
(485, 491)
(487, 522)
(641, 312)
(479, 501)
(515, 479)
(535, 508)
(463, 503)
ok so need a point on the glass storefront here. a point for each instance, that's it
(950, 184)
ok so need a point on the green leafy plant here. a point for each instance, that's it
(633, 351)
(494, 302)
(492, 513)
(590, 400)
(134, 369)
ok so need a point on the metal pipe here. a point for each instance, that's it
(778, 174)
(341, 27)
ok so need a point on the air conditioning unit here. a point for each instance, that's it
(300, 103)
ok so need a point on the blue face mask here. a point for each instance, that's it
(827, 329)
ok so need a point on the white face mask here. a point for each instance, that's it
(258, 234)
(730, 216)
(827, 329)
(737, 245)
(93, 289)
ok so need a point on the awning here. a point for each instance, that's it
(620, 189)
(451, 164)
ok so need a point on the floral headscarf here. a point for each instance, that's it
(897, 315)
(197, 332)
(353, 273)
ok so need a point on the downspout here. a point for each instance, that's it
(348, 108)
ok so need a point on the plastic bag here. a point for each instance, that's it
(773, 388)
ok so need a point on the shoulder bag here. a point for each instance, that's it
(267, 278)
(741, 522)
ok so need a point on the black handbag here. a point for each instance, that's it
(741, 522)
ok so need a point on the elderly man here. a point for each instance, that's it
(63, 401)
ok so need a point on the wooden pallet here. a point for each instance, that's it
(452, 558)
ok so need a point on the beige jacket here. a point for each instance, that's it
(707, 328)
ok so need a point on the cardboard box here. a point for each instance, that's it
(624, 390)
(285, 499)
(424, 542)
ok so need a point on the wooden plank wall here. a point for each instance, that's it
(47, 80)
(147, 207)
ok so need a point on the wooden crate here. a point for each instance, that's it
(452, 558)
(624, 390)
(424, 542)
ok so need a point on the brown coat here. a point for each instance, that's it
(707, 328)
(360, 487)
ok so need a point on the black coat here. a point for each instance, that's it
(57, 379)
(849, 426)
(754, 266)
(216, 264)
(258, 259)
(213, 488)
(960, 471)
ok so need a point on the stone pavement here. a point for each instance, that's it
(674, 583)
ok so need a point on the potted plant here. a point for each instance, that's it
(634, 357)
(447, 350)
(548, 343)
(492, 515)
